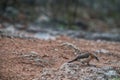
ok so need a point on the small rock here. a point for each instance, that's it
(31, 54)
(102, 51)
(56, 49)
(19, 26)
(33, 28)
(106, 68)
(43, 18)
(111, 73)
(10, 28)
(44, 36)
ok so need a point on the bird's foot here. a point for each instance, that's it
(91, 65)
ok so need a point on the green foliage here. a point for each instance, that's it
(62, 27)
(116, 78)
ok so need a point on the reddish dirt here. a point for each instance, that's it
(15, 66)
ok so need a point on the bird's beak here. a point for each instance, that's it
(97, 59)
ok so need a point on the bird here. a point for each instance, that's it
(85, 58)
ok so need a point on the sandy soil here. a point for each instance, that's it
(24, 59)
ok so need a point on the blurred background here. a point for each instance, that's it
(46, 19)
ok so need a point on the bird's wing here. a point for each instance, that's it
(81, 56)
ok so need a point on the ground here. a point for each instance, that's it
(27, 59)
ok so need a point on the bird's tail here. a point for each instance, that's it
(72, 60)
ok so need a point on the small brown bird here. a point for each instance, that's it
(82, 57)
(85, 58)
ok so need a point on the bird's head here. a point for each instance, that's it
(97, 59)
(95, 56)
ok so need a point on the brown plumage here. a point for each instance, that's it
(85, 58)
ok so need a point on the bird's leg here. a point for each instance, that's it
(88, 64)
(82, 62)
